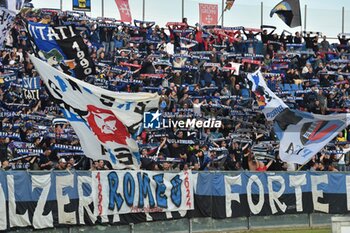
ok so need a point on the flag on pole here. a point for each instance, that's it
(289, 12)
(302, 135)
(229, 4)
(124, 10)
(208, 14)
(103, 120)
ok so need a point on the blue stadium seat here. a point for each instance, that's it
(191, 87)
(280, 85)
(287, 87)
(294, 87)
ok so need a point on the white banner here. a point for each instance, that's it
(122, 192)
(103, 120)
(8, 11)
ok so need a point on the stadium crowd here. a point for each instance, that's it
(193, 68)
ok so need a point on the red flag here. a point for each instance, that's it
(124, 10)
(208, 14)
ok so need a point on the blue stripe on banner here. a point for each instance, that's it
(219, 185)
(204, 184)
(213, 184)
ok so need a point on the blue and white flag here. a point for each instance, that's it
(302, 135)
(267, 100)
(12, 5)
(8, 11)
(103, 120)
(6, 21)
(62, 47)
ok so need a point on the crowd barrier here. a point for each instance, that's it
(53, 199)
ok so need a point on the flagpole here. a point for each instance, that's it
(305, 14)
(302, 166)
(301, 25)
(61, 5)
(143, 10)
(343, 20)
(262, 14)
(222, 15)
(103, 6)
(183, 9)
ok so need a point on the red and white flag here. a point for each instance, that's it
(208, 14)
(103, 120)
(124, 10)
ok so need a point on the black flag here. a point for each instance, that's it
(289, 12)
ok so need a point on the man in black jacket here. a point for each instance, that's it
(106, 38)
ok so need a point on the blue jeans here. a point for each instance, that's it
(106, 46)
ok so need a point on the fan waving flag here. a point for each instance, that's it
(289, 12)
(208, 14)
(124, 10)
(103, 120)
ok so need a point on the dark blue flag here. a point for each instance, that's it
(289, 12)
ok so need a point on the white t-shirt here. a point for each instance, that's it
(197, 109)
(304, 70)
(342, 159)
(170, 48)
(291, 167)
